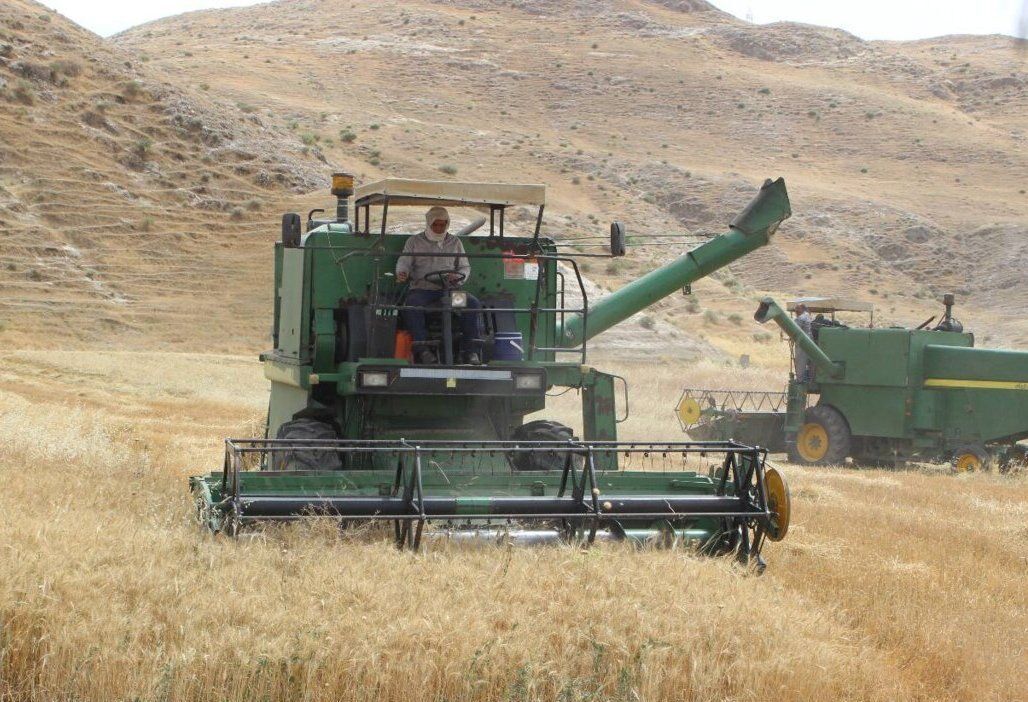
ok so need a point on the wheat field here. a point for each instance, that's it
(890, 585)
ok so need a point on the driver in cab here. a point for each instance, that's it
(438, 264)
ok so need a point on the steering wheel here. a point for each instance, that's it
(442, 278)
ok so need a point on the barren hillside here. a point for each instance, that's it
(141, 178)
(126, 202)
(906, 161)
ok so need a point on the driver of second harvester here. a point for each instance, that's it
(435, 249)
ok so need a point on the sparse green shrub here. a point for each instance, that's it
(146, 224)
(236, 214)
(374, 126)
(143, 148)
(132, 89)
(448, 169)
(647, 322)
(253, 204)
(613, 268)
(693, 306)
(735, 318)
(762, 337)
(346, 136)
(24, 93)
(309, 138)
(710, 317)
(246, 108)
(67, 68)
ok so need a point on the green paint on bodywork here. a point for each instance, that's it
(923, 391)
(336, 272)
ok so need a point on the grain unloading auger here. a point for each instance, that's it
(362, 433)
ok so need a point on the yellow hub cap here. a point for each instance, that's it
(779, 502)
(689, 411)
(967, 462)
(812, 442)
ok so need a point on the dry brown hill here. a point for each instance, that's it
(906, 161)
(124, 199)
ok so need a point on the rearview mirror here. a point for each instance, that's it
(617, 239)
(291, 229)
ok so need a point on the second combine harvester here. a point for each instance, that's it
(358, 431)
(880, 396)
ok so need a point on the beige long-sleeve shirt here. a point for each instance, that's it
(447, 254)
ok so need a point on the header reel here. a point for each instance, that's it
(714, 496)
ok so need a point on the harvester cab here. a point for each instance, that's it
(358, 429)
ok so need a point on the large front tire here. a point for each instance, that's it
(305, 429)
(824, 439)
(540, 430)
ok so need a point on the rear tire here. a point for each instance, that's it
(306, 429)
(824, 439)
(973, 458)
(541, 430)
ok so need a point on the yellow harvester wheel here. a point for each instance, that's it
(823, 438)
(970, 459)
(779, 502)
(812, 442)
(689, 411)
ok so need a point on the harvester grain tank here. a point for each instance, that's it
(357, 431)
(887, 395)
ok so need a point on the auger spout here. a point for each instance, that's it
(751, 229)
(770, 311)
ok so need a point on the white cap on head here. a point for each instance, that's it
(434, 214)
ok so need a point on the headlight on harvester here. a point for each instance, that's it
(528, 381)
(374, 379)
(458, 298)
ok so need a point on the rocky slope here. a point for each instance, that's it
(906, 162)
(123, 197)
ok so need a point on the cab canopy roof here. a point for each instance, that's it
(403, 191)
(831, 304)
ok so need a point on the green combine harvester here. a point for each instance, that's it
(881, 396)
(357, 430)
